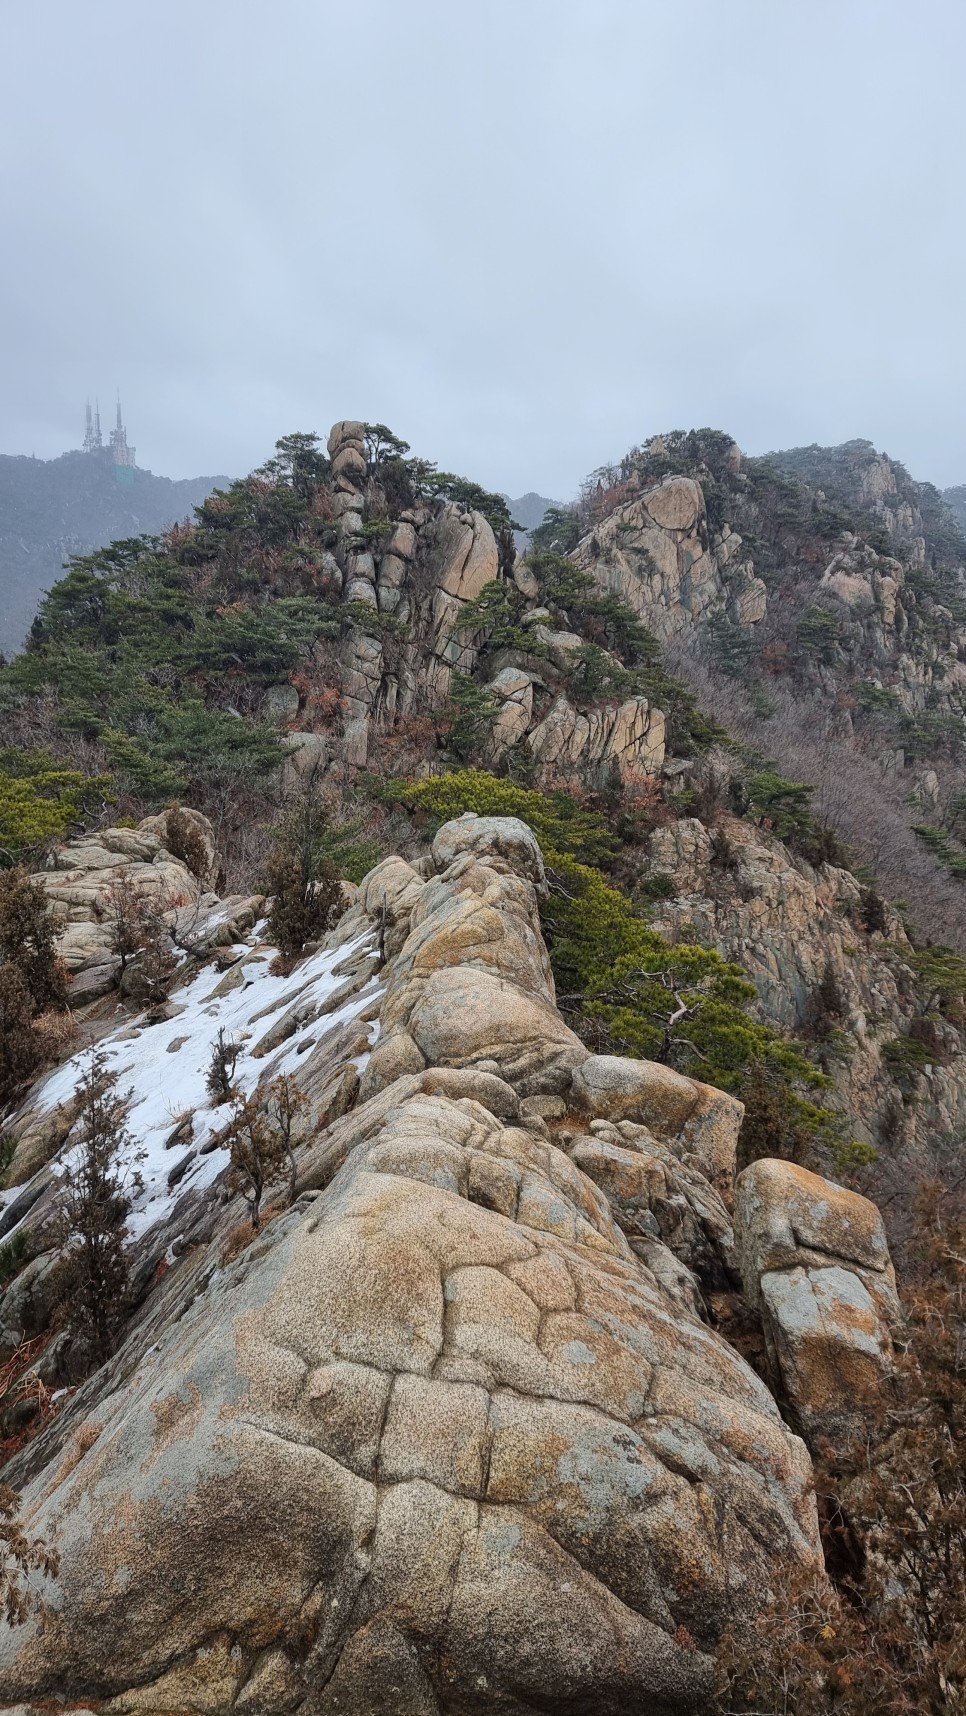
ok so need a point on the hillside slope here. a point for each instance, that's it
(370, 616)
(53, 508)
(494, 1259)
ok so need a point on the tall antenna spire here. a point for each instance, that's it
(97, 422)
(92, 431)
(123, 454)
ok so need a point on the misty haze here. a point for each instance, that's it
(483, 860)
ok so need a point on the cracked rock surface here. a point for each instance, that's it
(440, 1440)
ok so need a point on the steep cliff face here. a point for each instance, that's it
(456, 1432)
(659, 553)
(801, 934)
(420, 575)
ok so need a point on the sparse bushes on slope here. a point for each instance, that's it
(28, 938)
(850, 794)
(98, 1177)
(891, 1639)
(618, 982)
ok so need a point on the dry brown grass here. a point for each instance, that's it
(242, 1234)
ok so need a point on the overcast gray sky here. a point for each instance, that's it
(524, 233)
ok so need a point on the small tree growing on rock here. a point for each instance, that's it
(20, 1047)
(260, 1137)
(28, 939)
(221, 1070)
(257, 1152)
(138, 932)
(284, 1105)
(302, 878)
(98, 1179)
(125, 920)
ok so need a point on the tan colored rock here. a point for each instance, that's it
(630, 738)
(349, 462)
(830, 1344)
(815, 1261)
(675, 504)
(706, 1119)
(464, 1017)
(410, 1451)
(157, 826)
(505, 839)
(786, 1216)
(465, 555)
(524, 580)
(394, 1055)
(389, 893)
(510, 724)
(347, 433)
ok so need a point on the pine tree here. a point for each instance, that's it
(257, 1152)
(98, 1178)
(28, 938)
(301, 878)
(20, 1047)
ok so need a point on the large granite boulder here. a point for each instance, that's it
(815, 1262)
(617, 1087)
(438, 1442)
(87, 876)
(472, 986)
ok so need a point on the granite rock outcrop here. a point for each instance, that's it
(456, 1429)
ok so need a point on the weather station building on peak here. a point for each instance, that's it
(121, 454)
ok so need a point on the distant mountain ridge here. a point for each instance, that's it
(528, 511)
(52, 508)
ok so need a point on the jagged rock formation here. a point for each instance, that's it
(796, 929)
(89, 877)
(658, 552)
(454, 1434)
(421, 572)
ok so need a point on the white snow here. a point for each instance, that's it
(164, 1066)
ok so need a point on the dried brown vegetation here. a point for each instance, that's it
(885, 1635)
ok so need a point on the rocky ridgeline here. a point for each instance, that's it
(427, 567)
(455, 1433)
(658, 552)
